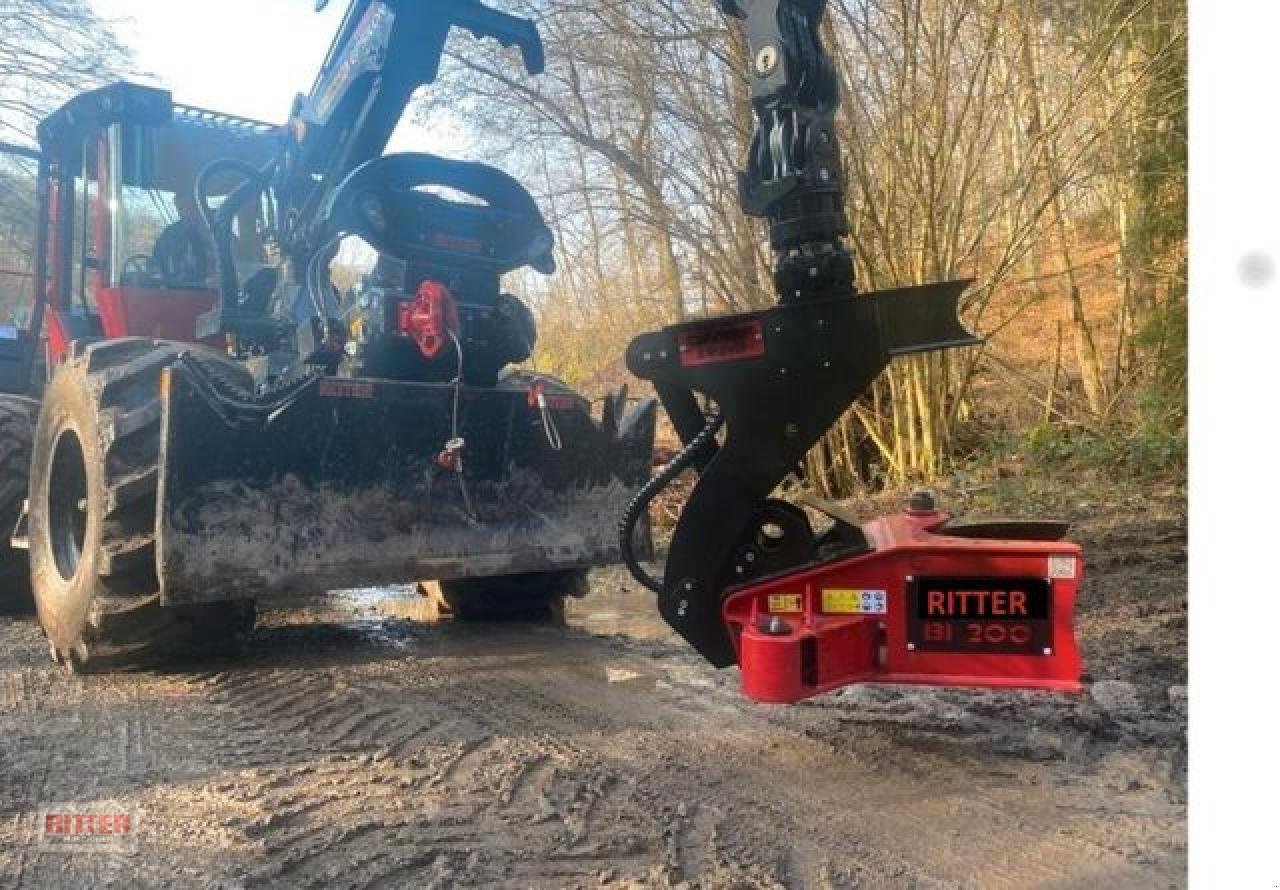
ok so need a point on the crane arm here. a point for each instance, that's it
(779, 377)
(793, 175)
(383, 52)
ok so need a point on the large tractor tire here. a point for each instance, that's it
(17, 427)
(536, 596)
(92, 521)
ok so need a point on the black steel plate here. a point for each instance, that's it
(977, 615)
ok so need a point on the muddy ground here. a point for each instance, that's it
(347, 745)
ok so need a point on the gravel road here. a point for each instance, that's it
(346, 745)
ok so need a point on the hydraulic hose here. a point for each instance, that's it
(640, 503)
(219, 221)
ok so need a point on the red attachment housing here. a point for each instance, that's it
(921, 607)
(429, 318)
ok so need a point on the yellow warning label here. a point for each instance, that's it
(784, 602)
(841, 601)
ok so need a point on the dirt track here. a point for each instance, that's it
(346, 748)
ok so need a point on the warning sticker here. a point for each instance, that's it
(1062, 566)
(784, 602)
(855, 602)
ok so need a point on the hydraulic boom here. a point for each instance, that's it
(747, 579)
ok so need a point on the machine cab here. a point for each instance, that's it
(124, 251)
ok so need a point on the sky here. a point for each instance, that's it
(244, 57)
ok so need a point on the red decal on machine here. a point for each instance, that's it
(708, 344)
(347, 389)
(997, 615)
(552, 401)
(560, 402)
(975, 603)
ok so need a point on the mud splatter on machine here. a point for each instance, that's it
(219, 422)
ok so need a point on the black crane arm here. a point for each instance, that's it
(384, 50)
(793, 175)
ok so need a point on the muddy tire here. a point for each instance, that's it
(92, 523)
(17, 427)
(536, 596)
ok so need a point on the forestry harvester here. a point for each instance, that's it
(200, 445)
(218, 422)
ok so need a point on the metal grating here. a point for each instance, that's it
(191, 115)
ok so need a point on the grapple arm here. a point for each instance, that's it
(383, 52)
(747, 580)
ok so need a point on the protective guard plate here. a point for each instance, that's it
(338, 487)
(778, 398)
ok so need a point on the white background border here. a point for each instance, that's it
(1235, 393)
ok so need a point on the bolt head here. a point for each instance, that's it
(923, 500)
(766, 60)
(774, 626)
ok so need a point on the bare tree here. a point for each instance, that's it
(50, 50)
(1024, 145)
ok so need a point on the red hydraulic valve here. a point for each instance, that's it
(429, 318)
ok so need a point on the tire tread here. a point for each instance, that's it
(17, 429)
(128, 626)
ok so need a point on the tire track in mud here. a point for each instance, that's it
(64, 741)
(498, 765)
(472, 782)
(859, 814)
(530, 773)
(381, 754)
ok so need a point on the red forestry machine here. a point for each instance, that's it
(217, 422)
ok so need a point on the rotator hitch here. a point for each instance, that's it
(911, 598)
